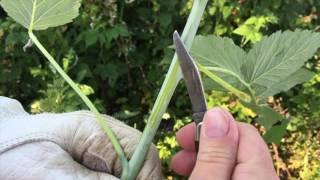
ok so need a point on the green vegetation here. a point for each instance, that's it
(42, 14)
(121, 60)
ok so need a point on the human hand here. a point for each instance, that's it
(64, 146)
(228, 150)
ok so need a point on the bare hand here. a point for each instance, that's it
(228, 150)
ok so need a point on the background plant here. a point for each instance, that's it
(136, 57)
(43, 14)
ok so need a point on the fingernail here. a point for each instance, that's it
(217, 123)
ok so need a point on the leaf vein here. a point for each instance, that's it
(48, 10)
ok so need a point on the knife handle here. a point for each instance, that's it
(197, 138)
(197, 118)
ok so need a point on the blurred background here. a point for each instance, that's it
(119, 52)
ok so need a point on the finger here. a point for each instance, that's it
(249, 136)
(183, 162)
(186, 136)
(218, 146)
(44, 160)
(254, 160)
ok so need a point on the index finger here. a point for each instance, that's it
(186, 137)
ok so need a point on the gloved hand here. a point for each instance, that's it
(64, 146)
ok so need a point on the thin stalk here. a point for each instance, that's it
(242, 95)
(168, 87)
(86, 100)
(226, 71)
(247, 85)
(103, 124)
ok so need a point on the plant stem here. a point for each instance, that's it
(168, 87)
(86, 100)
(242, 95)
(226, 71)
(103, 124)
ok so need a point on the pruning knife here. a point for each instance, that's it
(194, 85)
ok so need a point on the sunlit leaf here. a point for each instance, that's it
(300, 76)
(220, 56)
(272, 66)
(278, 56)
(215, 52)
(86, 90)
(250, 29)
(41, 14)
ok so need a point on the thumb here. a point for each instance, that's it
(218, 146)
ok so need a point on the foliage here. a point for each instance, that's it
(271, 66)
(41, 14)
(131, 55)
(61, 12)
(302, 142)
(272, 62)
(250, 29)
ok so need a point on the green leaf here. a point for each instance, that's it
(300, 76)
(41, 14)
(86, 90)
(91, 37)
(119, 30)
(221, 57)
(165, 20)
(270, 67)
(216, 53)
(122, 30)
(250, 30)
(220, 29)
(267, 117)
(276, 133)
(278, 56)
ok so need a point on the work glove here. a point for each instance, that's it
(64, 146)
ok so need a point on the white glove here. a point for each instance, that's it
(64, 146)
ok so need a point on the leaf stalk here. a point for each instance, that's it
(242, 95)
(85, 99)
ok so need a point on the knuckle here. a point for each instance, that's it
(250, 128)
(215, 155)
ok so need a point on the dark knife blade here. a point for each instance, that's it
(192, 79)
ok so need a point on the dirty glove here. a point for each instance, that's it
(64, 146)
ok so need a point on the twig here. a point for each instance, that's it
(278, 159)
